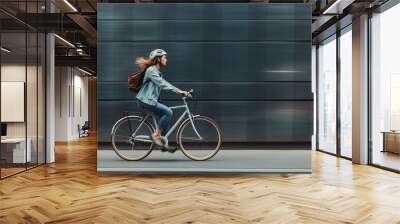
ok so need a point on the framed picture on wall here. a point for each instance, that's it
(12, 101)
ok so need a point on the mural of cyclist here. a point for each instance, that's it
(147, 97)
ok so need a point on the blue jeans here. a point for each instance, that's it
(162, 111)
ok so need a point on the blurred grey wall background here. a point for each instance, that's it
(249, 64)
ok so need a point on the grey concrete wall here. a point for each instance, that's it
(250, 64)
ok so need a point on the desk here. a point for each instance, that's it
(13, 150)
(391, 141)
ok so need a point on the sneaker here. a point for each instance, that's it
(169, 149)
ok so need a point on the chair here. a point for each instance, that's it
(84, 129)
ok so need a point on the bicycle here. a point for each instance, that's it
(199, 137)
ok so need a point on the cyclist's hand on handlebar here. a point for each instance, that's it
(184, 93)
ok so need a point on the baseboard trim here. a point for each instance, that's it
(200, 170)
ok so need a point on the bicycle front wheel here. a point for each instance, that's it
(130, 138)
(200, 141)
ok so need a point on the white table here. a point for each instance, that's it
(18, 149)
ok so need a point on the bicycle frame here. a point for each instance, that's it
(178, 122)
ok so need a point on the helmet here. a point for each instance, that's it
(157, 52)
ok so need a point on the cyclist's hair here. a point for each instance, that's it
(144, 63)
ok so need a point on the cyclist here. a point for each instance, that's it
(153, 83)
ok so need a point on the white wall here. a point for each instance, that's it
(13, 101)
(62, 81)
(80, 89)
(71, 93)
(33, 127)
(17, 73)
(12, 73)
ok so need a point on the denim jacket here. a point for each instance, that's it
(153, 82)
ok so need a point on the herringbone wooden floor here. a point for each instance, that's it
(70, 191)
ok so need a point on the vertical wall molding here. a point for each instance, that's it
(317, 97)
(92, 100)
(0, 95)
(360, 90)
(50, 101)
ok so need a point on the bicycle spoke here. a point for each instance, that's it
(200, 148)
(127, 146)
(191, 138)
(123, 136)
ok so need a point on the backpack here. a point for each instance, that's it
(135, 80)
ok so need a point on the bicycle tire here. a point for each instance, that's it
(136, 120)
(187, 123)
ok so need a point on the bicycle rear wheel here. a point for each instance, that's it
(130, 138)
(201, 146)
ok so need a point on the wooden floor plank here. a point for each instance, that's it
(71, 191)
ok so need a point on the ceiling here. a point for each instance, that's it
(76, 21)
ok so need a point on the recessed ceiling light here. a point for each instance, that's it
(337, 7)
(70, 5)
(64, 40)
(84, 71)
(5, 50)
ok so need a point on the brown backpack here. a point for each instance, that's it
(135, 80)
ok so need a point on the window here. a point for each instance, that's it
(385, 89)
(346, 92)
(327, 95)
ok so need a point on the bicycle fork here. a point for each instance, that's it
(192, 123)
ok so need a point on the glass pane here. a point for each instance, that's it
(13, 86)
(32, 87)
(346, 94)
(31, 97)
(327, 96)
(23, 89)
(386, 89)
(41, 98)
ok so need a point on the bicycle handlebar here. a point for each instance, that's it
(190, 94)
